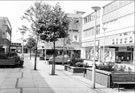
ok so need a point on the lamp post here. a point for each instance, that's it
(95, 8)
(104, 45)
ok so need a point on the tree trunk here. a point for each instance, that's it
(63, 56)
(30, 53)
(35, 65)
(53, 63)
(63, 50)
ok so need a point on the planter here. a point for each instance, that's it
(74, 69)
(105, 78)
(102, 77)
(7, 62)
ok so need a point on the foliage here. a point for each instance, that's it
(108, 66)
(76, 62)
(31, 42)
(53, 24)
(50, 23)
(79, 64)
(112, 67)
(23, 29)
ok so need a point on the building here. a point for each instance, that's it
(115, 38)
(5, 34)
(72, 44)
(88, 36)
(16, 47)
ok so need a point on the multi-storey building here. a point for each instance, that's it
(5, 34)
(88, 36)
(115, 35)
(72, 44)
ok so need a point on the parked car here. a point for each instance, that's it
(59, 59)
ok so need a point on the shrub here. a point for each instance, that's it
(75, 60)
(108, 66)
(3, 56)
(79, 64)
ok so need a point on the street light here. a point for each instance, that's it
(95, 8)
(104, 45)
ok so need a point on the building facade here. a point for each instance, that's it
(115, 34)
(5, 34)
(71, 44)
(16, 47)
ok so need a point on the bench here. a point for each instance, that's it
(123, 79)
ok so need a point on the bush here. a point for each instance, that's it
(79, 64)
(108, 66)
(75, 60)
(3, 56)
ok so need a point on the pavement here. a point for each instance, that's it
(27, 80)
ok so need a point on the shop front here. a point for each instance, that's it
(118, 48)
(87, 52)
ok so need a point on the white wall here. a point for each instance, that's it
(83, 54)
(119, 12)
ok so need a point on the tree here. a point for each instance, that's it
(53, 26)
(23, 30)
(47, 22)
(32, 15)
(31, 42)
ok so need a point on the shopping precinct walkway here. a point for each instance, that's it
(27, 80)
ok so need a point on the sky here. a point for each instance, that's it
(14, 10)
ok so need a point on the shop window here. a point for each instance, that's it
(124, 57)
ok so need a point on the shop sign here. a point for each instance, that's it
(124, 39)
(87, 44)
(122, 48)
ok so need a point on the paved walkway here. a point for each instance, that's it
(27, 80)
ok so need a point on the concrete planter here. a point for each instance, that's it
(102, 77)
(105, 77)
(74, 69)
(7, 62)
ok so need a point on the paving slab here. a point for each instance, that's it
(30, 90)
(14, 75)
(10, 91)
(27, 80)
(25, 83)
(9, 83)
(45, 90)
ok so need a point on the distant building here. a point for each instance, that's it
(16, 47)
(72, 44)
(5, 34)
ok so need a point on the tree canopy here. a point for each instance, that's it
(53, 24)
(49, 22)
(31, 42)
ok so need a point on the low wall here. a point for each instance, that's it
(7, 62)
(102, 77)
